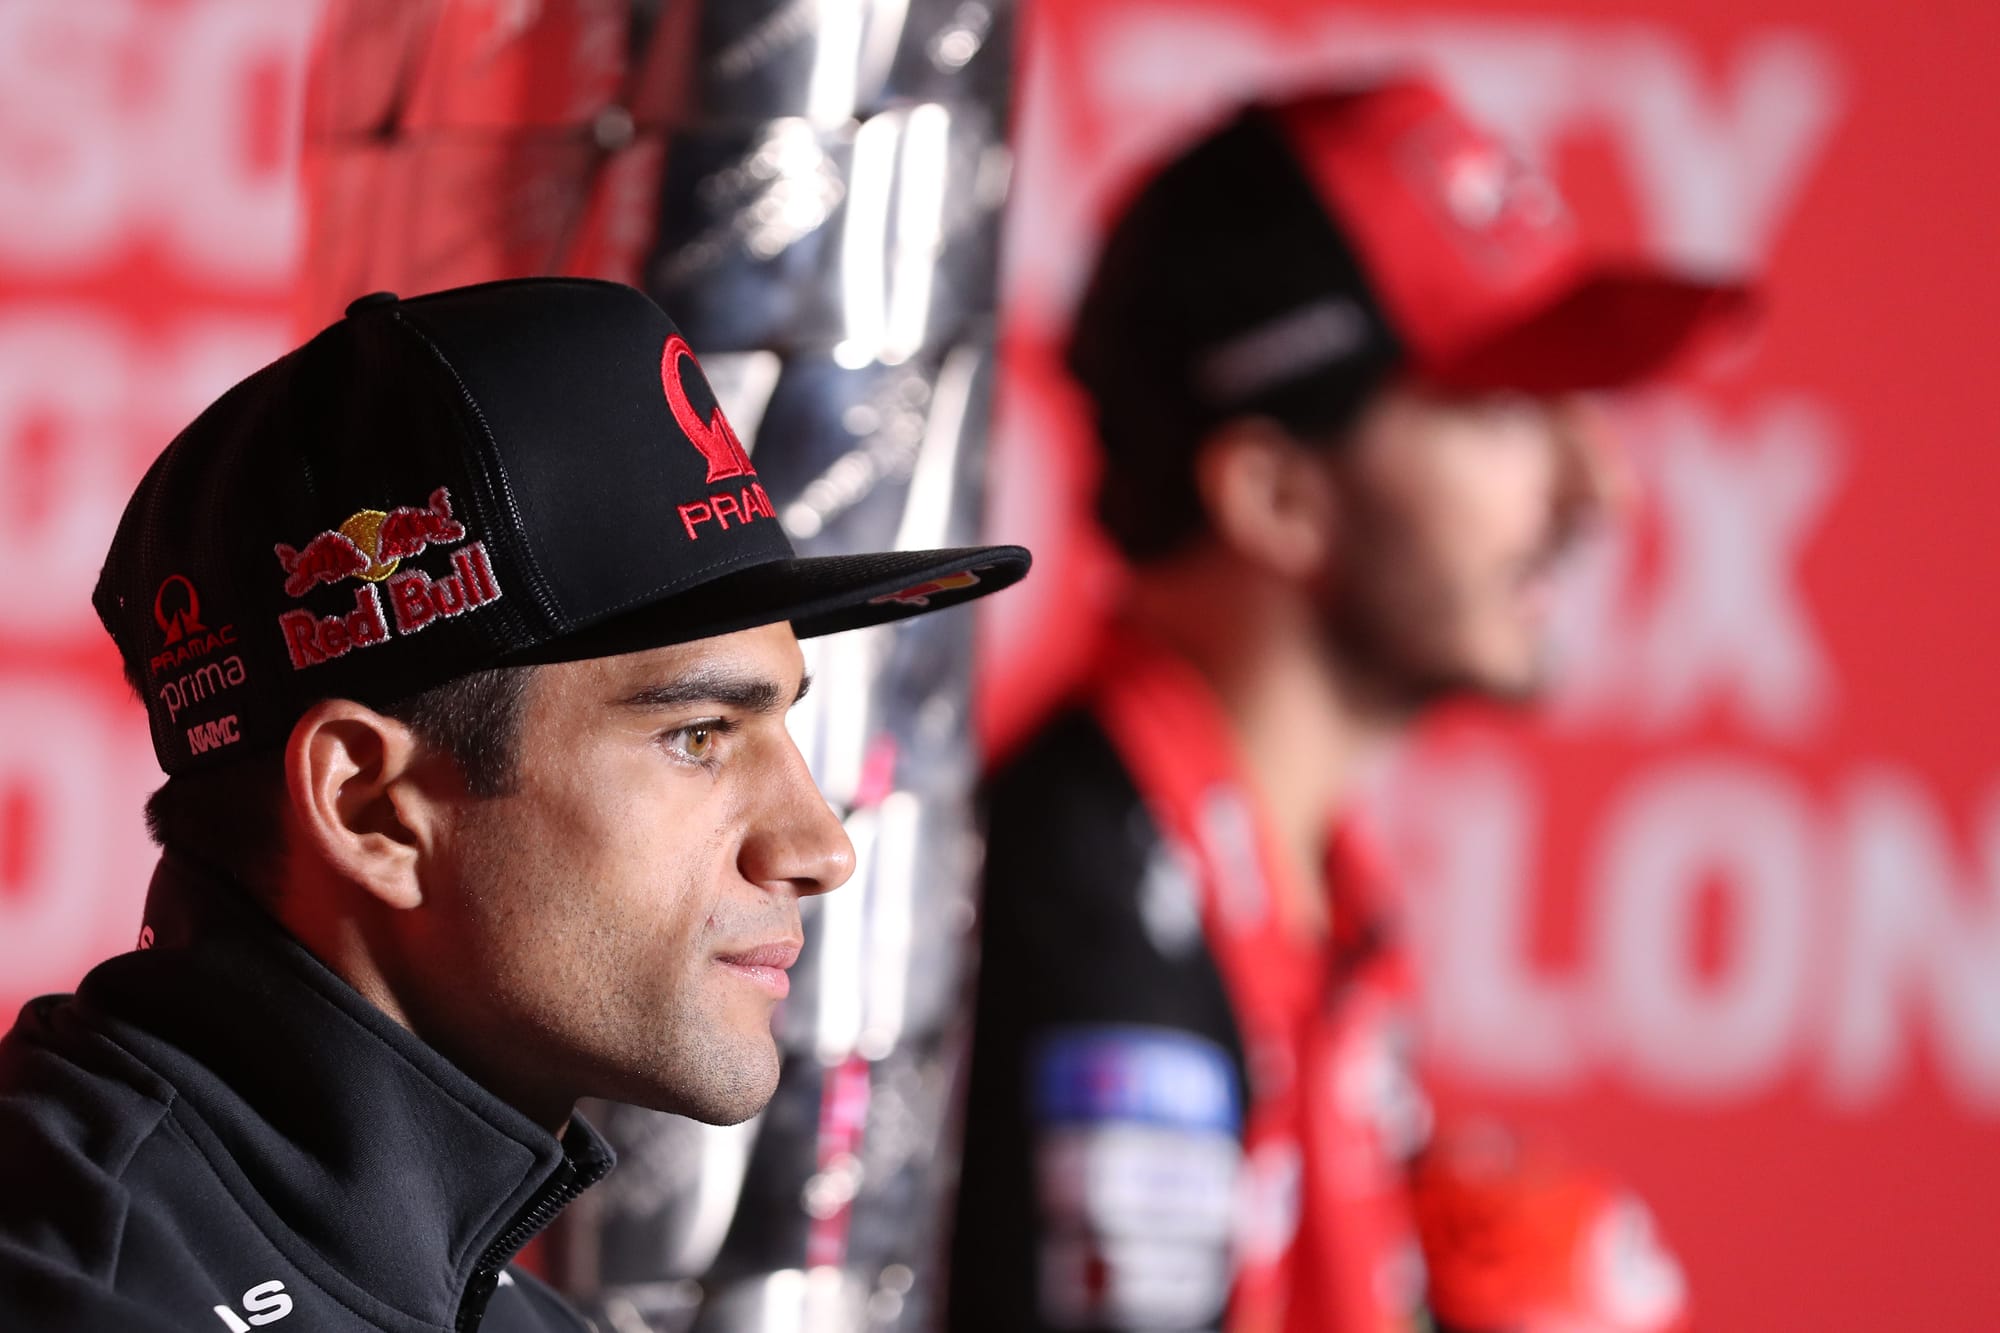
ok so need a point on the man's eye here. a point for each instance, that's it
(697, 743)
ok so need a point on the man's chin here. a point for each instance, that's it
(733, 1101)
(1401, 675)
(1507, 685)
(730, 1113)
(736, 1080)
(1514, 689)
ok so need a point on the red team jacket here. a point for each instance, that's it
(1182, 1113)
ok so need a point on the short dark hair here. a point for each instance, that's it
(231, 817)
(1223, 250)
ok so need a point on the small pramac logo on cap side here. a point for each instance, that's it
(179, 615)
(714, 438)
(177, 611)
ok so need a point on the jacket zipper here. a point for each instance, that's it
(563, 1186)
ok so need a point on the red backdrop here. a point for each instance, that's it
(1726, 919)
(149, 240)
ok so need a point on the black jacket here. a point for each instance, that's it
(217, 1133)
(1083, 937)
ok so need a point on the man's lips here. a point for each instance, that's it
(764, 964)
(1535, 578)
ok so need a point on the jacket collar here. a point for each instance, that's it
(380, 1168)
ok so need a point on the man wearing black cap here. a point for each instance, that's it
(1334, 349)
(467, 634)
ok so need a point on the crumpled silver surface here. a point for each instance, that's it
(828, 243)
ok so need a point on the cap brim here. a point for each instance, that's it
(1611, 327)
(817, 594)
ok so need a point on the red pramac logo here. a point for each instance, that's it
(177, 611)
(180, 614)
(714, 438)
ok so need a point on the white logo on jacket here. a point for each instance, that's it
(265, 1303)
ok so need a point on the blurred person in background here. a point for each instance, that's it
(467, 636)
(1336, 351)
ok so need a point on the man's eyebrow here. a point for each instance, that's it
(717, 685)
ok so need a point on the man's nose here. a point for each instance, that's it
(797, 841)
(1594, 477)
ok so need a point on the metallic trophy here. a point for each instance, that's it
(827, 238)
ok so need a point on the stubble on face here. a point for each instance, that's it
(588, 905)
(1454, 515)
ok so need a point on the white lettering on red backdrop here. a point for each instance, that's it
(149, 231)
(125, 123)
(1853, 926)
(1858, 918)
(86, 401)
(1724, 622)
(78, 773)
(1713, 165)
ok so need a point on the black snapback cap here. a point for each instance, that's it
(524, 471)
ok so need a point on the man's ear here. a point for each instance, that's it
(359, 800)
(1268, 496)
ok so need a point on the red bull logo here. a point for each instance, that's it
(370, 544)
(921, 594)
(416, 601)
(312, 639)
(419, 599)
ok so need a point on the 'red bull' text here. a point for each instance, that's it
(416, 601)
